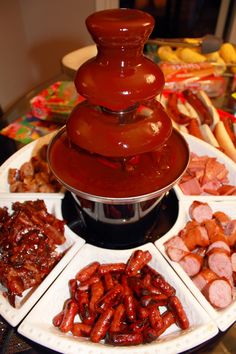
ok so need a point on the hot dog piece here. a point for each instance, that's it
(200, 211)
(97, 291)
(70, 312)
(72, 287)
(84, 311)
(102, 325)
(155, 318)
(158, 299)
(194, 129)
(111, 298)
(174, 112)
(163, 285)
(230, 232)
(58, 319)
(111, 268)
(137, 261)
(85, 273)
(138, 326)
(167, 319)
(204, 277)
(219, 262)
(130, 308)
(125, 339)
(191, 263)
(219, 293)
(81, 330)
(84, 286)
(176, 307)
(108, 281)
(199, 107)
(125, 285)
(118, 318)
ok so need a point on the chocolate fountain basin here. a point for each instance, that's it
(82, 173)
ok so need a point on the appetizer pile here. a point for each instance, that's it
(193, 113)
(206, 176)
(125, 304)
(34, 176)
(205, 249)
(28, 240)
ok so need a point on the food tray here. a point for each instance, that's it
(38, 327)
(198, 335)
(202, 148)
(18, 158)
(223, 318)
(73, 242)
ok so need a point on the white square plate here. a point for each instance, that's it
(16, 161)
(223, 318)
(30, 297)
(38, 327)
(202, 148)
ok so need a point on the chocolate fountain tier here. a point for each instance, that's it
(119, 76)
(141, 128)
(93, 177)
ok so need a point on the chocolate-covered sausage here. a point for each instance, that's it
(119, 316)
(125, 339)
(86, 272)
(177, 309)
(111, 268)
(102, 325)
(70, 312)
(137, 261)
(81, 330)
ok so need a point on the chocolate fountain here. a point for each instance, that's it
(118, 154)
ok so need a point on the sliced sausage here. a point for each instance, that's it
(222, 245)
(191, 263)
(176, 254)
(221, 218)
(212, 228)
(200, 211)
(219, 293)
(204, 277)
(195, 237)
(220, 263)
(176, 242)
(233, 261)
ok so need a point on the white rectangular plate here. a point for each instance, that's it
(38, 327)
(202, 148)
(30, 297)
(223, 318)
(16, 161)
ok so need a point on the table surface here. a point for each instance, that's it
(10, 341)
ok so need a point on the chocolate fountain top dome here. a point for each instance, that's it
(118, 145)
(119, 76)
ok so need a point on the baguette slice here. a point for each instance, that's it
(208, 136)
(224, 140)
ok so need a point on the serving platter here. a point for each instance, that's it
(224, 318)
(13, 315)
(41, 330)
